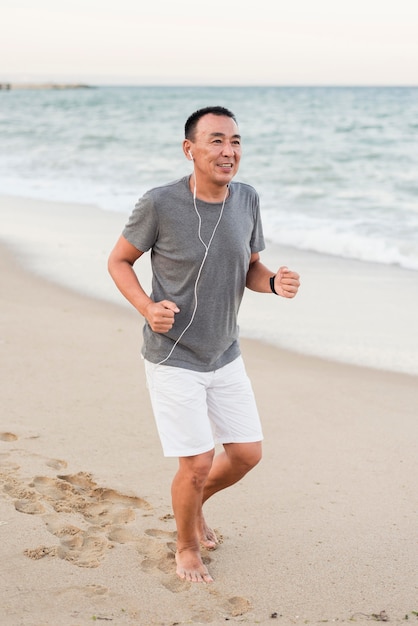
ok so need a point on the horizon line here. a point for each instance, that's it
(95, 83)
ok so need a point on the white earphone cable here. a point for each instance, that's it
(206, 246)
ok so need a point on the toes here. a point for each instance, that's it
(181, 574)
(194, 576)
(207, 578)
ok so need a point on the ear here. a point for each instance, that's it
(187, 149)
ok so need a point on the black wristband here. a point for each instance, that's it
(272, 285)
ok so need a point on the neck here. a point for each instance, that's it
(213, 193)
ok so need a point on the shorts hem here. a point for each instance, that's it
(195, 452)
(189, 452)
(241, 440)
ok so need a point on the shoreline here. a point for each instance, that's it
(9, 86)
(322, 530)
(347, 311)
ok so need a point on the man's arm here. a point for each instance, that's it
(286, 282)
(160, 315)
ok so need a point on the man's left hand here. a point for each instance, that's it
(286, 282)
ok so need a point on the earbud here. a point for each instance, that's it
(191, 155)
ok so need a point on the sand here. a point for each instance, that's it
(323, 530)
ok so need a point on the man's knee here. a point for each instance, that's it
(254, 454)
(247, 455)
(196, 468)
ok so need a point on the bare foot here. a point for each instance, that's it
(207, 536)
(190, 566)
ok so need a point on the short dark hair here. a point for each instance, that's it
(190, 126)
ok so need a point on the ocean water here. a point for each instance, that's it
(336, 168)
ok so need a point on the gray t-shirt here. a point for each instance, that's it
(165, 221)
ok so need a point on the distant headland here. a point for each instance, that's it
(9, 86)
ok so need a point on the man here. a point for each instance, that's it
(205, 234)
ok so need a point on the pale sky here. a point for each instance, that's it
(190, 42)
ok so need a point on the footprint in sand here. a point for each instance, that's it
(87, 520)
(26, 499)
(102, 510)
(157, 548)
(40, 552)
(87, 590)
(8, 437)
(29, 506)
(82, 547)
(57, 464)
(237, 606)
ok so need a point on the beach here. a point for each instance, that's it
(323, 530)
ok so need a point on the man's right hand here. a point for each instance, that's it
(160, 315)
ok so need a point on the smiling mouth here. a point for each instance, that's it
(226, 166)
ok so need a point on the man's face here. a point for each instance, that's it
(216, 149)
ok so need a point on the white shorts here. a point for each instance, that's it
(194, 410)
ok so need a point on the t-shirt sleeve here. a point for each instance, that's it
(257, 238)
(141, 229)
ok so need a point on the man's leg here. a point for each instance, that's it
(234, 417)
(187, 493)
(231, 465)
(228, 467)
